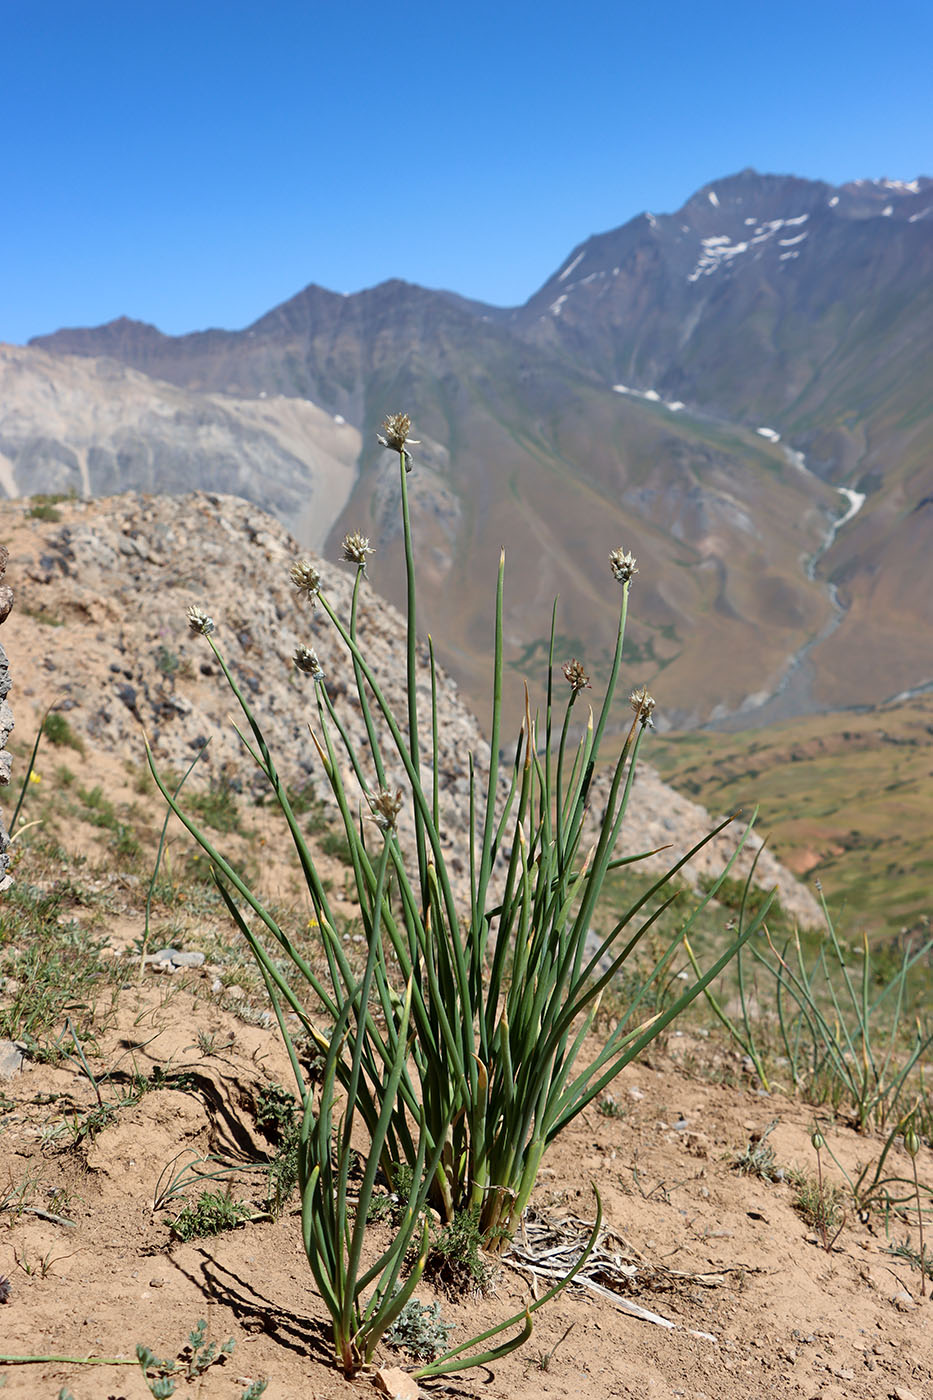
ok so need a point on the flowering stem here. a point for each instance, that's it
(923, 1262)
(361, 689)
(412, 677)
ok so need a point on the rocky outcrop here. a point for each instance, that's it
(107, 587)
(91, 427)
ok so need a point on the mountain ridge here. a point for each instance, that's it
(669, 391)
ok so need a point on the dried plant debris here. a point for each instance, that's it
(548, 1249)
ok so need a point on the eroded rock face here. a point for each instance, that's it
(6, 718)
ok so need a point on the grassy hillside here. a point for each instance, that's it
(847, 798)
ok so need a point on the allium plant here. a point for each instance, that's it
(457, 1051)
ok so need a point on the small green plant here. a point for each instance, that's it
(277, 1116)
(57, 965)
(193, 1360)
(99, 811)
(843, 1036)
(175, 1181)
(334, 843)
(457, 1261)
(217, 808)
(876, 1187)
(610, 1107)
(820, 1203)
(38, 1267)
(757, 1157)
(167, 662)
(43, 510)
(420, 1331)
(58, 731)
(212, 1214)
(389, 1205)
(903, 1249)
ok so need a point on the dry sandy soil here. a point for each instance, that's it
(758, 1307)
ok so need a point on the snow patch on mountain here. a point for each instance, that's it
(719, 248)
(562, 276)
(651, 396)
(902, 186)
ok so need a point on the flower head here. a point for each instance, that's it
(385, 808)
(643, 705)
(577, 678)
(306, 578)
(394, 436)
(355, 549)
(199, 621)
(307, 661)
(622, 565)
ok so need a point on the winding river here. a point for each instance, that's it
(793, 693)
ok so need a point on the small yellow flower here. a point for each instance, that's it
(35, 777)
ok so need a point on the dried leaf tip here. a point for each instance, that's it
(306, 578)
(199, 621)
(575, 675)
(394, 436)
(385, 808)
(355, 548)
(643, 705)
(306, 660)
(622, 565)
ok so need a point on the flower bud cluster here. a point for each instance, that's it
(306, 660)
(355, 549)
(394, 436)
(385, 808)
(575, 675)
(199, 621)
(622, 565)
(643, 705)
(306, 578)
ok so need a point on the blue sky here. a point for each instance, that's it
(193, 163)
